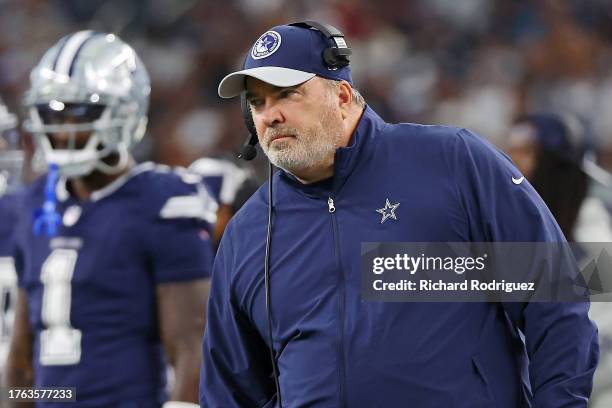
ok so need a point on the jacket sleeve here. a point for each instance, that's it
(235, 368)
(560, 339)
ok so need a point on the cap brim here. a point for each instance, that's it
(234, 83)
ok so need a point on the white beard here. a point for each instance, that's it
(307, 149)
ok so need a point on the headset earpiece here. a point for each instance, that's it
(336, 58)
(338, 54)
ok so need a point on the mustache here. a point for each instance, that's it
(281, 131)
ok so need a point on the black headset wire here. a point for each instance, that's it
(335, 56)
(267, 286)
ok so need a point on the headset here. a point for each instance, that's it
(336, 56)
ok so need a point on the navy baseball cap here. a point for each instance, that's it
(285, 56)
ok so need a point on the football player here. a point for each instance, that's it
(11, 157)
(231, 186)
(113, 269)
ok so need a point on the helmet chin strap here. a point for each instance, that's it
(124, 159)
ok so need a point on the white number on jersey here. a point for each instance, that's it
(60, 343)
(8, 295)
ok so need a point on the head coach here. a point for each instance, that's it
(347, 177)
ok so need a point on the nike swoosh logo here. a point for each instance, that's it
(518, 181)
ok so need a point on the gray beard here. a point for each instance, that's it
(311, 148)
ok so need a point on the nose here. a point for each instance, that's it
(270, 114)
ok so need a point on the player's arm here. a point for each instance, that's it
(181, 255)
(182, 316)
(19, 372)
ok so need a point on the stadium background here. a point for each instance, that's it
(472, 63)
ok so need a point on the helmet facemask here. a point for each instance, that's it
(80, 137)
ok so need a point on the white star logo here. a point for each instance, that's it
(266, 41)
(388, 211)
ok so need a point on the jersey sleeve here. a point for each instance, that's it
(229, 182)
(502, 206)
(179, 238)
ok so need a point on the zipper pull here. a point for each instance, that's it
(330, 204)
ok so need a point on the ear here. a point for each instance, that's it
(345, 98)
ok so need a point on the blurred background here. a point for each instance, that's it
(473, 63)
(480, 64)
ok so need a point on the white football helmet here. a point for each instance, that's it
(88, 82)
(11, 154)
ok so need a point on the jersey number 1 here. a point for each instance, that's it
(8, 294)
(60, 343)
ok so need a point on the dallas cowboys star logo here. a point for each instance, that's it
(267, 42)
(388, 211)
(266, 45)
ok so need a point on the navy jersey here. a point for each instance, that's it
(229, 183)
(8, 277)
(91, 288)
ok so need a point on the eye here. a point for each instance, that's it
(287, 92)
(255, 103)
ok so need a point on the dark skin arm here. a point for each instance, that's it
(182, 315)
(224, 213)
(19, 372)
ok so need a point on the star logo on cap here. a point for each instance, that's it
(388, 211)
(266, 45)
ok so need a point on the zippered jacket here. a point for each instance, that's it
(336, 350)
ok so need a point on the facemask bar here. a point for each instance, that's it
(107, 136)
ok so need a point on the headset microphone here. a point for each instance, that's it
(248, 151)
(336, 56)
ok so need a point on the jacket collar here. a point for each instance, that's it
(346, 159)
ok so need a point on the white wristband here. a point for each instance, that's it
(180, 404)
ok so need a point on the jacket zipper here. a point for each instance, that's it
(330, 204)
(341, 301)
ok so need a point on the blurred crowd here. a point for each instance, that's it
(473, 63)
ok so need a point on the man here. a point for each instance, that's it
(113, 270)
(231, 186)
(348, 177)
(11, 157)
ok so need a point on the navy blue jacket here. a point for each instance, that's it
(335, 350)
